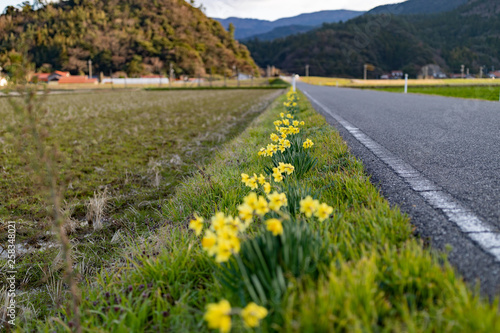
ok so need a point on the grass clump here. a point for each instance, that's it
(354, 268)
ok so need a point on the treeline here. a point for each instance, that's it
(468, 35)
(134, 36)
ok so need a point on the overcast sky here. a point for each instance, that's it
(268, 9)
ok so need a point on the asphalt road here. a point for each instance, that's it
(438, 159)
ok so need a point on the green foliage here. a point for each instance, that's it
(265, 263)
(296, 155)
(139, 36)
(466, 35)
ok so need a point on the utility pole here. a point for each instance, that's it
(467, 72)
(481, 72)
(365, 71)
(307, 70)
(462, 70)
(90, 69)
(171, 75)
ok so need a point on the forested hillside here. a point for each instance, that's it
(468, 35)
(136, 36)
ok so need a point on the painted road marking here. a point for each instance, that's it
(477, 230)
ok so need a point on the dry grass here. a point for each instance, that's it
(325, 81)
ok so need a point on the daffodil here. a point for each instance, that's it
(323, 212)
(302, 123)
(209, 241)
(261, 152)
(261, 179)
(278, 123)
(275, 226)
(244, 178)
(308, 144)
(196, 224)
(245, 212)
(252, 314)
(223, 251)
(277, 200)
(274, 137)
(267, 188)
(289, 116)
(295, 123)
(218, 221)
(286, 122)
(218, 316)
(282, 115)
(308, 206)
(251, 199)
(261, 207)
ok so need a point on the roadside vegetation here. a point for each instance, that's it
(281, 232)
(120, 154)
(489, 93)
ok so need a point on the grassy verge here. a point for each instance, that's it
(489, 93)
(132, 149)
(372, 276)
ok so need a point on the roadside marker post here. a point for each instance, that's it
(406, 83)
(294, 82)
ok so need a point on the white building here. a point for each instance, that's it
(3, 81)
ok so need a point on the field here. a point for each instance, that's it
(358, 269)
(489, 93)
(357, 83)
(133, 147)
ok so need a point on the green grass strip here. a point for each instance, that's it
(380, 278)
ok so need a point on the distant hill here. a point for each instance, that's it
(136, 36)
(281, 32)
(246, 28)
(467, 35)
(418, 7)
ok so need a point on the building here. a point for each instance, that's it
(396, 75)
(3, 81)
(76, 79)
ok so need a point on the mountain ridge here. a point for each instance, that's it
(246, 28)
(467, 35)
(136, 36)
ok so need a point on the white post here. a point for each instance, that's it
(294, 78)
(406, 83)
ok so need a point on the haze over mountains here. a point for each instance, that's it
(468, 34)
(249, 28)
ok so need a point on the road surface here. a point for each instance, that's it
(438, 158)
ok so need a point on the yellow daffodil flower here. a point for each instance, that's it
(261, 179)
(245, 212)
(262, 207)
(218, 316)
(196, 224)
(218, 221)
(267, 188)
(275, 137)
(308, 144)
(308, 206)
(209, 242)
(252, 314)
(324, 211)
(275, 226)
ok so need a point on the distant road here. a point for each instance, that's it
(438, 158)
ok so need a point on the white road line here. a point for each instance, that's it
(478, 231)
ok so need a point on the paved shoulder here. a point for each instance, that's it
(438, 158)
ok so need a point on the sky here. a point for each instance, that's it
(267, 9)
